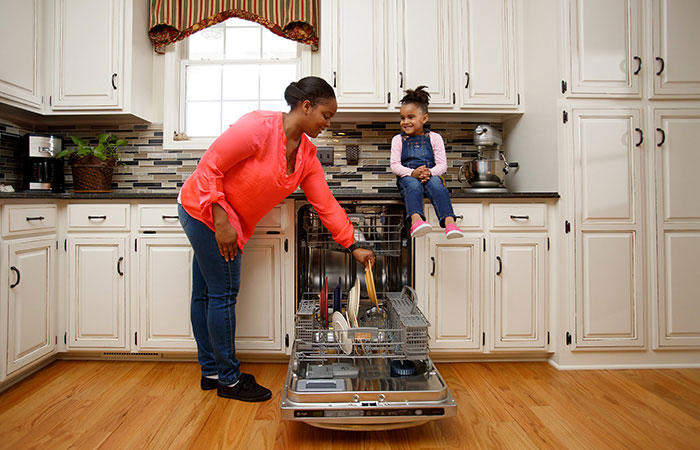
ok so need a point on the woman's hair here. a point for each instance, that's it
(313, 89)
(418, 96)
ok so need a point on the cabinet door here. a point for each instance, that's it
(20, 71)
(454, 292)
(676, 50)
(604, 47)
(164, 291)
(30, 325)
(354, 58)
(259, 303)
(519, 270)
(486, 37)
(424, 61)
(608, 229)
(678, 227)
(88, 54)
(97, 293)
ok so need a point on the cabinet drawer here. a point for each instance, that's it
(24, 219)
(510, 216)
(271, 220)
(159, 216)
(468, 216)
(98, 216)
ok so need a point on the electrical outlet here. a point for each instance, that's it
(325, 155)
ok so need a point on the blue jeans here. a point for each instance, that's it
(215, 285)
(413, 192)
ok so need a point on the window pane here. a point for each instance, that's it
(236, 22)
(203, 82)
(243, 43)
(276, 47)
(241, 82)
(232, 111)
(203, 119)
(207, 43)
(274, 105)
(274, 79)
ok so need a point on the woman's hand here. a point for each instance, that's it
(226, 235)
(363, 255)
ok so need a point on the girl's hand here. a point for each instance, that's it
(226, 236)
(417, 172)
(227, 239)
(363, 255)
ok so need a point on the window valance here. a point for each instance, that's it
(174, 20)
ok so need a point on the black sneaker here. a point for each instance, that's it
(246, 390)
(207, 384)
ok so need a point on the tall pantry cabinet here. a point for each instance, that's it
(630, 127)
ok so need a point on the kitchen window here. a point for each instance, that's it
(218, 74)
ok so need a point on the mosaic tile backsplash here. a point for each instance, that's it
(149, 168)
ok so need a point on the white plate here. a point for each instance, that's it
(354, 303)
(340, 326)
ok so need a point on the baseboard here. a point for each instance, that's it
(622, 366)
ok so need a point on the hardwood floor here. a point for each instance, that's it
(158, 405)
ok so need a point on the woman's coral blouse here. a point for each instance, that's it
(245, 172)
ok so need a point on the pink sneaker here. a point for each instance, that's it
(420, 228)
(452, 231)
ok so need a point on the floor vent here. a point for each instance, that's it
(131, 355)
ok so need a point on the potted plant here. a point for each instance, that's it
(93, 167)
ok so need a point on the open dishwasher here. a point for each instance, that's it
(358, 363)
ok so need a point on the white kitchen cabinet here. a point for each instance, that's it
(31, 304)
(676, 155)
(164, 293)
(22, 60)
(519, 291)
(406, 43)
(259, 303)
(98, 265)
(604, 48)
(485, 37)
(354, 44)
(424, 57)
(676, 53)
(454, 291)
(608, 229)
(102, 58)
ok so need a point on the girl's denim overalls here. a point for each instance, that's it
(418, 151)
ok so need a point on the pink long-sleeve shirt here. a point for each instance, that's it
(245, 172)
(438, 153)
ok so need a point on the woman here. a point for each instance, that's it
(250, 168)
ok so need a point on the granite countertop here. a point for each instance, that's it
(340, 194)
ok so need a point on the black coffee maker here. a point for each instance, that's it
(42, 170)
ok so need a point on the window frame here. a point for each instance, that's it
(174, 92)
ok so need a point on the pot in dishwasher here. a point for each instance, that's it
(374, 375)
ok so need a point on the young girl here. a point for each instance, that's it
(418, 159)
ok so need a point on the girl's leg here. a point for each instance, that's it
(440, 198)
(222, 280)
(412, 191)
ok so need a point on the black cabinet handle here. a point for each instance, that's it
(169, 217)
(15, 270)
(432, 272)
(513, 216)
(97, 217)
(663, 137)
(661, 60)
(466, 85)
(400, 79)
(460, 217)
(29, 219)
(119, 263)
(114, 75)
(639, 64)
(500, 265)
(641, 137)
(333, 79)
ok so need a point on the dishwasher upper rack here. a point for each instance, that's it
(401, 334)
(377, 227)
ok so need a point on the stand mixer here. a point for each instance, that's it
(486, 173)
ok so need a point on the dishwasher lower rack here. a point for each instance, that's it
(398, 330)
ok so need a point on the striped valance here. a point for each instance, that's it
(174, 20)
